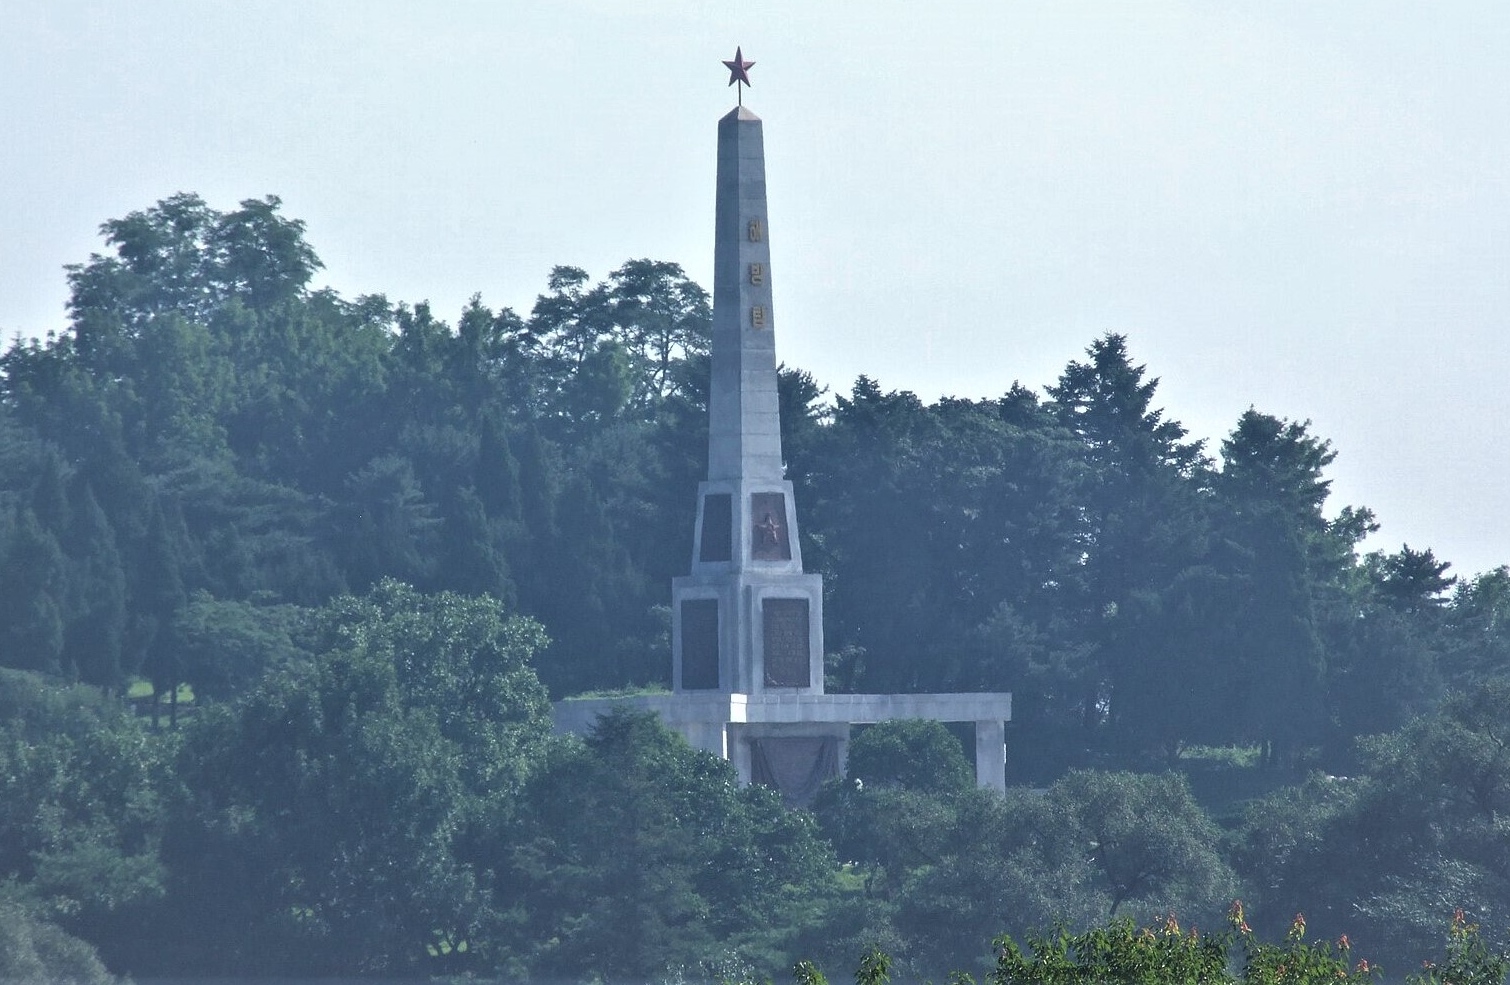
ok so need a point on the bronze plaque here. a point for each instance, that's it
(717, 540)
(768, 537)
(700, 644)
(784, 626)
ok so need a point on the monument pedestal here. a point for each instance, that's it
(728, 725)
(747, 618)
(782, 645)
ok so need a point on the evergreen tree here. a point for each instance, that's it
(33, 602)
(1276, 552)
(473, 552)
(1479, 626)
(95, 635)
(1144, 513)
(389, 526)
(158, 594)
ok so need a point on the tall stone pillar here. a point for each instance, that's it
(991, 754)
(747, 619)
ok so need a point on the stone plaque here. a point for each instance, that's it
(784, 627)
(699, 644)
(769, 540)
(717, 540)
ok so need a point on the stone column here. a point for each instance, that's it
(991, 755)
(739, 753)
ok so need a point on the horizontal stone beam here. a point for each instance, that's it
(578, 715)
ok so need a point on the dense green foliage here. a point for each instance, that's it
(1121, 952)
(911, 753)
(636, 851)
(32, 951)
(328, 822)
(286, 580)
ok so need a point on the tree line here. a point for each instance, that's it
(371, 545)
(395, 805)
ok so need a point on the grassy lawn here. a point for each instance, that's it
(620, 692)
(141, 690)
(1215, 756)
(1225, 778)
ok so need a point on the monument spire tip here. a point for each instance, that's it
(739, 71)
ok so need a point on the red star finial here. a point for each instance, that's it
(739, 71)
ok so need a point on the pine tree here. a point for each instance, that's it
(33, 580)
(97, 598)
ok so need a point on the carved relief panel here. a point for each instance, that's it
(784, 625)
(769, 538)
(700, 644)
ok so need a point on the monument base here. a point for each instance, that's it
(733, 726)
(747, 632)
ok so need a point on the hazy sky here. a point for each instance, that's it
(1297, 206)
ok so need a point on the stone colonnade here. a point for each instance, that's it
(725, 724)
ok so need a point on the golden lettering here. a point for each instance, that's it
(757, 231)
(757, 316)
(757, 274)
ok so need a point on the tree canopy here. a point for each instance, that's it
(287, 580)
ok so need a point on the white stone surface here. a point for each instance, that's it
(706, 718)
(744, 433)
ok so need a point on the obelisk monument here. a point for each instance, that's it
(747, 619)
(747, 622)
